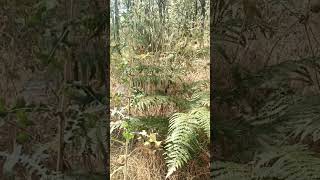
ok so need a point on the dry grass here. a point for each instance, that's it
(144, 165)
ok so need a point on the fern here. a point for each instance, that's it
(274, 108)
(281, 116)
(144, 103)
(32, 163)
(280, 75)
(280, 162)
(201, 98)
(183, 134)
(288, 162)
(303, 118)
(230, 171)
(84, 127)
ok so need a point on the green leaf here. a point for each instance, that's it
(23, 119)
(22, 137)
(127, 135)
(11, 160)
(3, 108)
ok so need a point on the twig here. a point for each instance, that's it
(276, 43)
(120, 142)
(313, 35)
(313, 54)
(121, 167)
(126, 160)
(23, 129)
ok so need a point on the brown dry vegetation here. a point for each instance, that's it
(145, 165)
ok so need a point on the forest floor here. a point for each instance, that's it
(143, 163)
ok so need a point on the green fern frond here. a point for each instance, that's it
(281, 74)
(304, 118)
(144, 103)
(32, 163)
(281, 162)
(287, 162)
(201, 116)
(93, 140)
(180, 141)
(275, 107)
(72, 127)
(182, 136)
(295, 114)
(230, 171)
(201, 98)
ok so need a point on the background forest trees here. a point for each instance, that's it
(52, 86)
(160, 89)
(266, 98)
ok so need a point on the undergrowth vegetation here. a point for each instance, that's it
(53, 112)
(160, 105)
(267, 90)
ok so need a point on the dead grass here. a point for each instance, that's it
(144, 165)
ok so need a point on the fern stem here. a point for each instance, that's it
(126, 161)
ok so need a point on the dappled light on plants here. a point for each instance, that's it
(160, 81)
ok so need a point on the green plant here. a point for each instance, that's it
(155, 47)
(266, 124)
(183, 136)
(32, 163)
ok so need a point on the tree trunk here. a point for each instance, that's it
(64, 100)
(203, 11)
(116, 19)
(195, 13)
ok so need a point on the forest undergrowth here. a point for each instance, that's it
(266, 98)
(160, 90)
(52, 90)
(147, 162)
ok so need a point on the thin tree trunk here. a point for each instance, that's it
(195, 13)
(203, 11)
(116, 19)
(63, 103)
(160, 4)
(106, 62)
